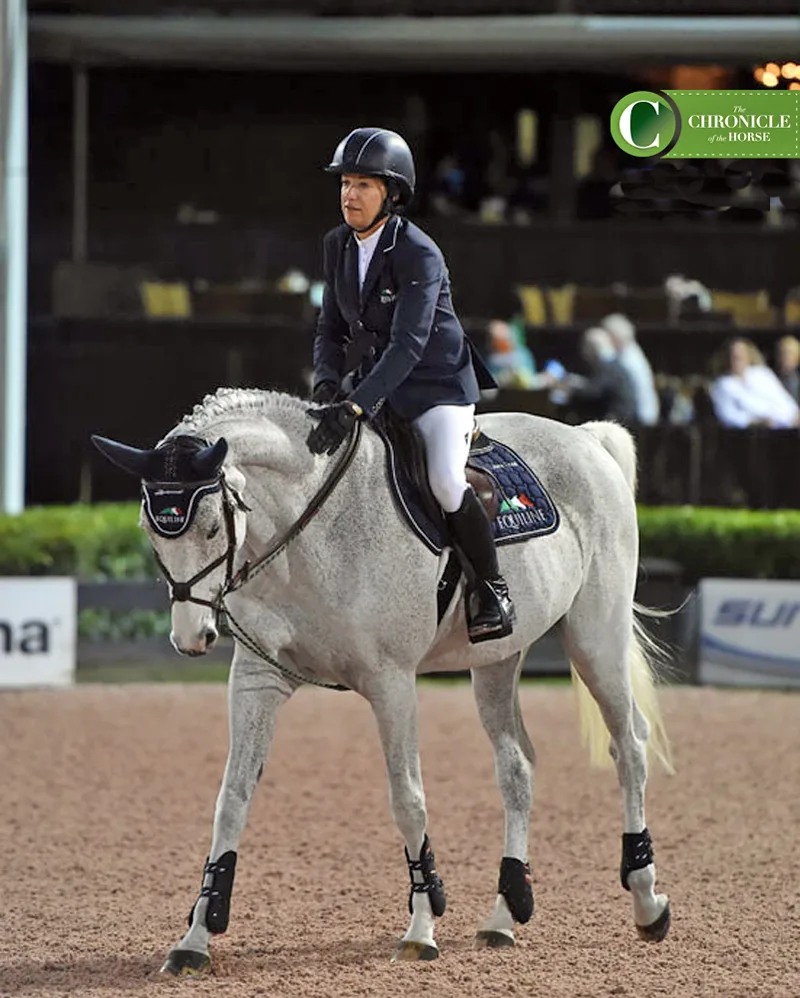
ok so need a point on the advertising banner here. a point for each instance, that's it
(709, 124)
(749, 632)
(38, 632)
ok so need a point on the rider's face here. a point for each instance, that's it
(361, 200)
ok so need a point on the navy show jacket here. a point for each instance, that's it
(414, 352)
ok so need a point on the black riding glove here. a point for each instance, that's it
(325, 392)
(335, 423)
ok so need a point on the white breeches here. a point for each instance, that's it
(446, 431)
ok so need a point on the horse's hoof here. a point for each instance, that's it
(655, 932)
(187, 963)
(411, 952)
(493, 939)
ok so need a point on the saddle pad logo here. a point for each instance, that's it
(525, 508)
(387, 296)
(513, 503)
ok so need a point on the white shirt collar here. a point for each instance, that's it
(366, 248)
(368, 245)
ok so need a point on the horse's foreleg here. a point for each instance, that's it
(394, 703)
(495, 690)
(254, 696)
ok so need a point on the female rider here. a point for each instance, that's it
(387, 288)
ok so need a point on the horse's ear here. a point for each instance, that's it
(130, 459)
(208, 461)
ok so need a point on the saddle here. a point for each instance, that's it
(515, 501)
(409, 455)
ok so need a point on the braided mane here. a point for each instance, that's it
(230, 403)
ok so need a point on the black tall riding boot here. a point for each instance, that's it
(492, 615)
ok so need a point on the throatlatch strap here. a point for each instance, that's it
(515, 886)
(432, 883)
(637, 853)
(218, 892)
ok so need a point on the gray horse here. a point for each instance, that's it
(324, 582)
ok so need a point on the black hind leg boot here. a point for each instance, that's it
(490, 611)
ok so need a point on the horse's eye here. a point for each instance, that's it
(214, 531)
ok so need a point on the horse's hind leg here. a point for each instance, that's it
(254, 696)
(393, 697)
(496, 696)
(603, 647)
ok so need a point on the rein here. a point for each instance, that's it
(315, 504)
(181, 592)
(250, 569)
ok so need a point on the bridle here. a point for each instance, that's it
(181, 592)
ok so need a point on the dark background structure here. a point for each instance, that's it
(182, 145)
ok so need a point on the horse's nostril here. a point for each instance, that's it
(211, 637)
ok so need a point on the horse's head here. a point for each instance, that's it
(194, 515)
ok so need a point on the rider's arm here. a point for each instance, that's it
(418, 272)
(333, 332)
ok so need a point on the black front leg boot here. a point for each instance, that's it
(490, 610)
(429, 882)
(218, 892)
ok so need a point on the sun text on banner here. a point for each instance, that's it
(749, 632)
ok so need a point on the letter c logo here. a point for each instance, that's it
(625, 124)
(645, 123)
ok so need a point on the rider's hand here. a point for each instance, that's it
(335, 423)
(325, 392)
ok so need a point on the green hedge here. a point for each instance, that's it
(727, 543)
(105, 542)
(91, 542)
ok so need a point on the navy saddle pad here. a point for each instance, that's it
(525, 509)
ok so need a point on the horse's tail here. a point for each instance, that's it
(645, 654)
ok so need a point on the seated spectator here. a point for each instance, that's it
(633, 360)
(509, 359)
(686, 297)
(787, 362)
(608, 391)
(749, 393)
(676, 399)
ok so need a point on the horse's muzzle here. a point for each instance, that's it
(204, 643)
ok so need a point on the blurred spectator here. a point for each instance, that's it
(676, 398)
(529, 196)
(509, 359)
(293, 282)
(608, 391)
(447, 197)
(787, 362)
(499, 183)
(686, 297)
(749, 393)
(633, 360)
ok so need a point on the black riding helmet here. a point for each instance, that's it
(378, 152)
